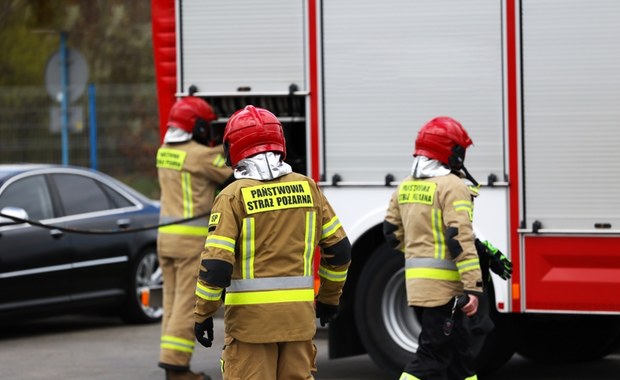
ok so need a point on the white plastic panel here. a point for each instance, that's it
(390, 66)
(571, 79)
(242, 43)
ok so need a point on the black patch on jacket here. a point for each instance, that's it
(453, 245)
(341, 252)
(218, 272)
(388, 233)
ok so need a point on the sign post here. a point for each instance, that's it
(66, 74)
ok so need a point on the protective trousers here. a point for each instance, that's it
(177, 338)
(440, 356)
(268, 361)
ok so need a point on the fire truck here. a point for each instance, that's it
(536, 83)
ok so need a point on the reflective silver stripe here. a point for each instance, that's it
(427, 262)
(309, 242)
(57, 268)
(271, 283)
(330, 227)
(440, 248)
(202, 222)
(188, 203)
(247, 248)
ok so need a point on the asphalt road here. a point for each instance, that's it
(78, 347)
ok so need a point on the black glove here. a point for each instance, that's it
(201, 328)
(325, 313)
(498, 263)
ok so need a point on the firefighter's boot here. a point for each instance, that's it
(186, 375)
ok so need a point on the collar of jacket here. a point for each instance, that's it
(262, 167)
(424, 167)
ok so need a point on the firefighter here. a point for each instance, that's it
(263, 232)
(429, 217)
(191, 166)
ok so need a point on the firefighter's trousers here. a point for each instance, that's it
(440, 356)
(177, 334)
(268, 361)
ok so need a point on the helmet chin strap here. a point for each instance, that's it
(469, 176)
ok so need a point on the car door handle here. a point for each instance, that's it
(123, 223)
(56, 234)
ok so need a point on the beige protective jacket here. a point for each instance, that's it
(433, 219)
(189, 175)
(261, 244)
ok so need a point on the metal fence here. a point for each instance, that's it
(126, 137)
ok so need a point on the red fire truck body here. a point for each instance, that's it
(535, 83)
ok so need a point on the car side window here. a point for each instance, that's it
(117, 198)
(31, 194)
(81, 194)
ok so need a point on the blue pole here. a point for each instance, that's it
(64, 105)
(92, 124)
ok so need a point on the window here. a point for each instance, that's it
(81, 194)
(32, 195)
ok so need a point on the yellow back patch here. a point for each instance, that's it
(277, 196)
(170, 158)
(417, 192)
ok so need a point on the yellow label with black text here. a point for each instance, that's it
(170, 158)
(214, 219)
(417, 192)
(277, 196)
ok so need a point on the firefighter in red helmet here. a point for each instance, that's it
(191, 166)
(429, 217)
(263, 232)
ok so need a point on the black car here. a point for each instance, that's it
(90, 245)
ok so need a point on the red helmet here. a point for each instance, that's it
(187, 111)
(250, 131)
(443, 139)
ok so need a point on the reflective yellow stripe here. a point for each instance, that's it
(330, 227)
(406, 376)
(182, 229)
(177, 344)
(223, 242)
(467, 265)
(332, 275)
(277, 196)
(170, 158)
(207, 293)
(271, 296)
(432, 274)
(309, 242)
(186, 186)
(466, 206)
(440, 244)
(247, 248)
(472, 377)
(219, 161)
(474, 190)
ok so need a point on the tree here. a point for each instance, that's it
(114, 36)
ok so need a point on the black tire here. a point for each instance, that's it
(567, 338)
(386, 325)
(145, 279)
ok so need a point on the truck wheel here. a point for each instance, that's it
(567, 338)
(387, 326)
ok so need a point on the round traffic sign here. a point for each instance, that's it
(78, 75)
